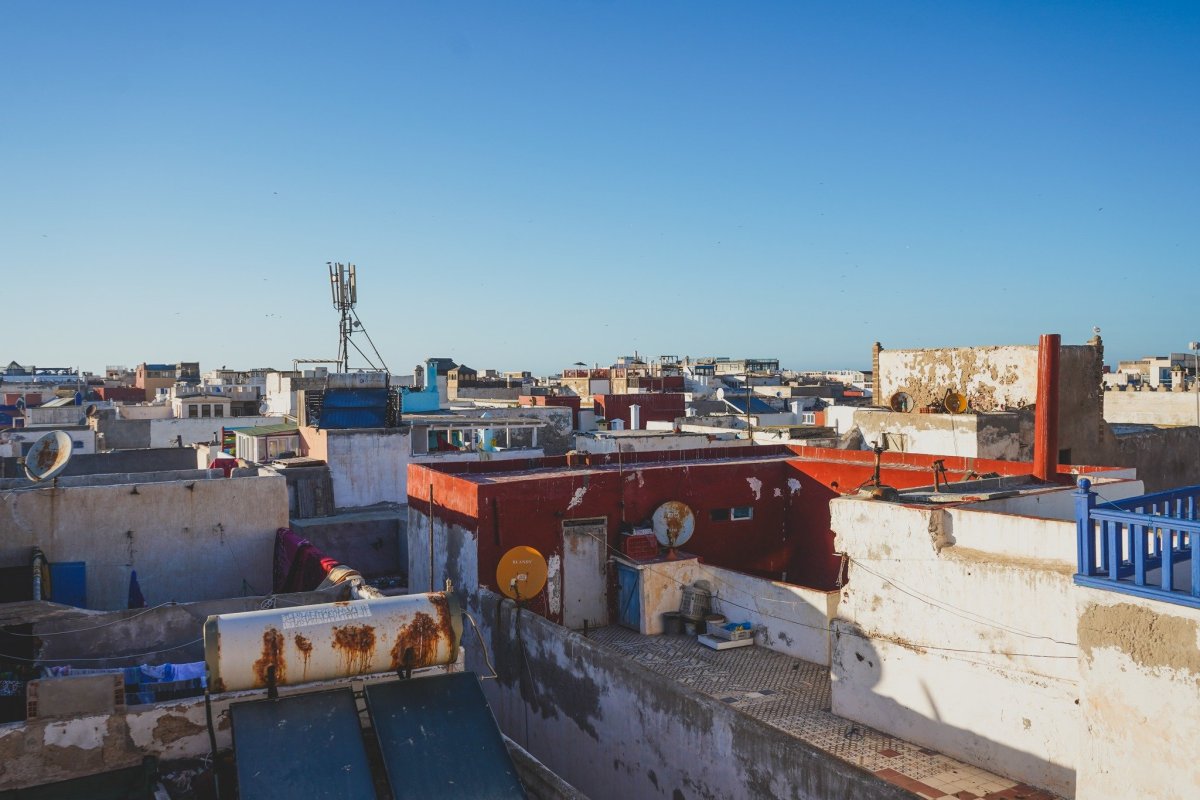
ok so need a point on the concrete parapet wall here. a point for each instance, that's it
(1151, 408)
(1139, 664)
(615, 730)
(188, 540)
(967, 651)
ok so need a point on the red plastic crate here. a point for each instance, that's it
(641, 546)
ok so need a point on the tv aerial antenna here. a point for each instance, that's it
(343, 286)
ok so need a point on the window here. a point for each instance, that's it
(78, 445)
(727, 514)
(206, 410)
(193, 411)
(218, 410)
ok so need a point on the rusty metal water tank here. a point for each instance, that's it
(331, 640)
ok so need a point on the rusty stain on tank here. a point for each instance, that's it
(304, 645)
(417, 643)
(357, 646)
(272, 656)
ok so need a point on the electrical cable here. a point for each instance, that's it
(970, 616)
(106, 658)
(482, 649)
(94, 627)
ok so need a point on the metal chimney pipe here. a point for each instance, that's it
(1045, 424)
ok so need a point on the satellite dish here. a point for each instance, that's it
(90, 411)
(263, 408)
(673, 525)
(48, 456)
(21, 403)
(954, 402)
(901, 402)
(521, 573)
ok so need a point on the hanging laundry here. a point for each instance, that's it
(299, 565)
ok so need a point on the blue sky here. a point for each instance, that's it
(530, 184)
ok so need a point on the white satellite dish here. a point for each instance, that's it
(673, 525)
(48, 456)
(264, 408)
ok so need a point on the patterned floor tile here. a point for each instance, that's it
(794, 696)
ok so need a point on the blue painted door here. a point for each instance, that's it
(629, 596)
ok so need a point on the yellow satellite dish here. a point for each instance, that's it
(521, 573)
(954, 402)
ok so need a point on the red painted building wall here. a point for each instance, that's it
(664, 407)
(123, 394)
(788, 488)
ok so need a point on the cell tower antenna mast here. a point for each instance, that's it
(343, 287)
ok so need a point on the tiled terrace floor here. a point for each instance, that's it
(794, 696)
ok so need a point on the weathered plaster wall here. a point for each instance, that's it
(49, 750)
(1151, 408)
(614, 730)
(1001, 436)
(1139, 669)
(455, 555)
(368, 466)
(1165, 458)
(188, 540)
(964, 651)
(123, 434)
(373, 542)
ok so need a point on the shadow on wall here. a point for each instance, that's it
(858, 663)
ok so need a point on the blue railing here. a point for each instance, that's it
(1141, 545)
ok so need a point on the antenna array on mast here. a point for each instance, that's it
(343, 287)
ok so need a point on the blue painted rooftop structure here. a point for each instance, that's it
(426, 399)
(1148, 546)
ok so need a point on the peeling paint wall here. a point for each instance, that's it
(1140, 670)
(188, 540)
(48, 750)
(1003, 378)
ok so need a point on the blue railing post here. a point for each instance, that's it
(1085, 501)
